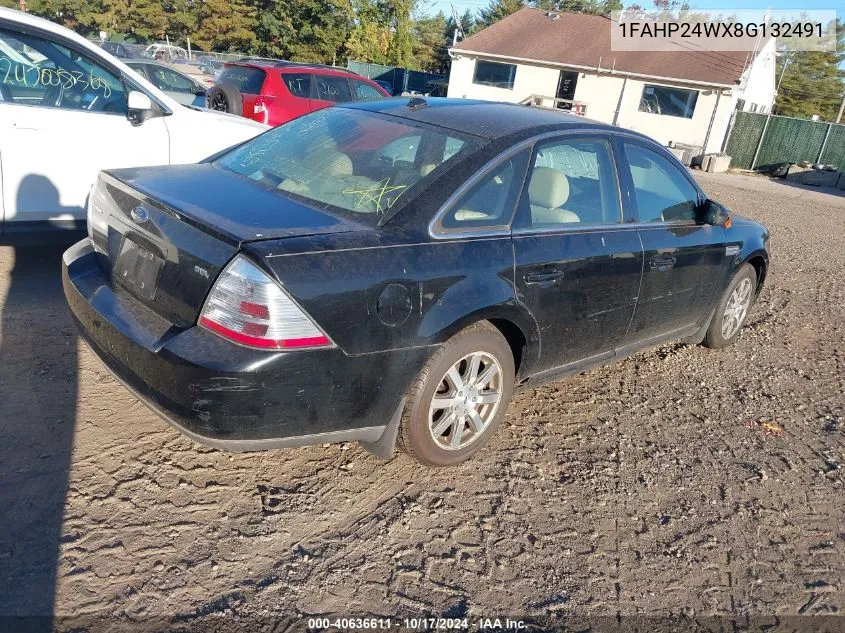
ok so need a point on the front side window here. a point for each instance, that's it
(362, 164)
(573, 182)
(364, 91)
(669, 101)
(141, 69)
(166, 79)
(662, 192)
(491, 201)
(494, 74)
(38, 72)
(247, 80)
(331, 88)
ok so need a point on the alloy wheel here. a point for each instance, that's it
(220, 103)
(736, 309)
(466, 401)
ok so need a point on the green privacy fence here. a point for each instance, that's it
(401, 79)
(786, 140)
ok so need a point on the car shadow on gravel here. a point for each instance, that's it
(38, 392)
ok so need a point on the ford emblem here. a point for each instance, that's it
(139, 214)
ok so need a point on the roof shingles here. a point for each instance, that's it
(584, 41)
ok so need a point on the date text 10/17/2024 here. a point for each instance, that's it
(417, 624)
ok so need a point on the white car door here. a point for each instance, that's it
(63, 118)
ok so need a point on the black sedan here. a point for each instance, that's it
(391, 271)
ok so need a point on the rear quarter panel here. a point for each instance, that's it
(285, 105)
(389, 295)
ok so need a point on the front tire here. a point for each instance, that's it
(732, 309)
(459, 398)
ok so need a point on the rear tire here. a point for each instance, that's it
(732, 309)
(225, 98)
(459, 398)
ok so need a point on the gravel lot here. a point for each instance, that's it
(682, 480)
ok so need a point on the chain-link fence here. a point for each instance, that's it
(401, 79)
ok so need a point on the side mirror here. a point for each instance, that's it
(139, 106)
(714, 213)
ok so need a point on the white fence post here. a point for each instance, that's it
(824, 142)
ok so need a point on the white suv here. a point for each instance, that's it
(68, 109)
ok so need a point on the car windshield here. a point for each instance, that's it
(358, 162)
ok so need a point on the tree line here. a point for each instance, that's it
(393, 32)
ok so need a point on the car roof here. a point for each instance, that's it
(486, 119)
(283, 65)
(151, 62)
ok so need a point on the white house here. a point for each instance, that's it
(683, 97)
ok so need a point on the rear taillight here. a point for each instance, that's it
(247, 307)
(260, 108)
(97, 216)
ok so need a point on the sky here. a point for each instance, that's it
(839, 5)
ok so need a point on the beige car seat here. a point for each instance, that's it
(548, 191)
(335, 164)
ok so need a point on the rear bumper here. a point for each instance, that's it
(227, 396)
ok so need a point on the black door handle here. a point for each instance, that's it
(547, 277)
(662, 263)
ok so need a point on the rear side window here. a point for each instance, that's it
(330, 88)
(492, 200)
(247, 80)
(364, 91)
(299, 84)
(663, 193)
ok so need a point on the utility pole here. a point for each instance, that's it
(841, 109)
(458, 29)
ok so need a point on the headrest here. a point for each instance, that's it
(549, 188)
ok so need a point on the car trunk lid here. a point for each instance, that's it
(164, 234)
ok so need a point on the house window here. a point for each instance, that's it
(752, 107)
(740, 104)
(668, 101)
(494, 74)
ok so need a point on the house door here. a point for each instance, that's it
(566, 88)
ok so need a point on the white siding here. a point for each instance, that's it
(528, 80)
(666, 129)
(758, 81)
(601, 94)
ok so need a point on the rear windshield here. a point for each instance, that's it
(362, 163)
(247, 80)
